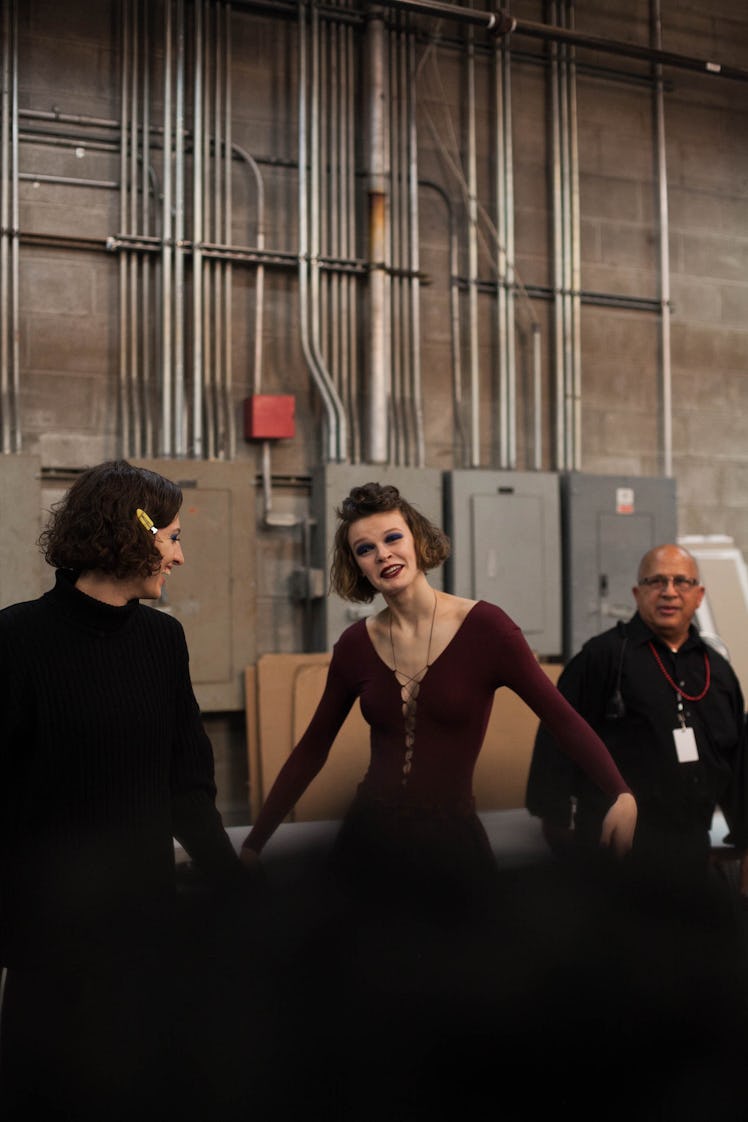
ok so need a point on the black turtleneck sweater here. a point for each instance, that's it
(103, 762)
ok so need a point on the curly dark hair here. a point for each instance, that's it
(431, 543)
(95, 526)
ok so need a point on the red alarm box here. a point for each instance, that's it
(269, 416)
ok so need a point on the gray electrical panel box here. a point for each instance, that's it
(213, 596)
(21, 565)
(506, 548)
(609, 523)
(422, 487)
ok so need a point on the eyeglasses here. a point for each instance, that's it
(680, 584)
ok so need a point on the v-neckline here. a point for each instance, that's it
(433, 663)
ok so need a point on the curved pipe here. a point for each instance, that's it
(336, 422)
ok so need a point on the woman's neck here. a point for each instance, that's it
(104, 587)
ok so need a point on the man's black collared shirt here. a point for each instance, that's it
(618, 686)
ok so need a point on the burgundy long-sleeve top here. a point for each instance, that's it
(454, 704)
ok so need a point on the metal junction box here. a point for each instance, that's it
(506, 547)
(609, 523)
(22, 573)
(213, 595)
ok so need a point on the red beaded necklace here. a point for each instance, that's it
(678, 689)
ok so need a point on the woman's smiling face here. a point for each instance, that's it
(168, 543)
(384, 549)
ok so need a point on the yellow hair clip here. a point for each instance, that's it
(146, 521)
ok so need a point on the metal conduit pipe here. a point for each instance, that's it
(346, 174)
(257, 359)
(454, 321)
(222, 411)
(349, 374)
(341, 217)
(146, 317)
(500, 22)
(502, 256)
(15, 310)
(664, 249)
(167, 250)
(123, 381)
(328, 110)
(378, 389)
(134, 373)
(315, 157)
(497, 22)
(5, 173)
(415, 261)
(335, 436)
(68, 118)
(350, 282)
(348, 306)
(137, 373)
(401, 123)
(334, 208)
(226, 267)
(259, 311)
(400, 256)
(566, 253)
(330, 201)
(70, 180)
(575, 270)
(180, 439)
(558, 356)
(199, 130)
(399, 414)
(203, 379)
(510, 274)
(472, 218)
(537, 396)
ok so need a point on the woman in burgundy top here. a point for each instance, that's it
(414, 959)
(425, 670)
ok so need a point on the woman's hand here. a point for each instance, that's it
(250, 858)
(619, 825)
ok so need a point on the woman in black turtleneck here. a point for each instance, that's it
(103, 761)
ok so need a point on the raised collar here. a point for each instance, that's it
(638, 633)
(85, 611)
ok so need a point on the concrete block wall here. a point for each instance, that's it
(69, 297)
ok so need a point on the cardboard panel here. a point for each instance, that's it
(501, 771)
(330, 795)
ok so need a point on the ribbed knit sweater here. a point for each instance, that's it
(103, 762)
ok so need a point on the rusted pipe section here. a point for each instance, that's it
(377, 390)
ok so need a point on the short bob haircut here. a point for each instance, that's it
(95, 525)
(432, 545)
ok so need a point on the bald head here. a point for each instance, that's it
(668, 552)
(668, 592)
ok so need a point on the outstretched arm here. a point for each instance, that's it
(305, 762)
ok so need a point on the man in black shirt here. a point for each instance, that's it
(658, 934)
(670, 710)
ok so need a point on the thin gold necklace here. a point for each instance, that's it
(414, 677)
